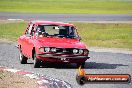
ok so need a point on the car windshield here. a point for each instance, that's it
(57, 31)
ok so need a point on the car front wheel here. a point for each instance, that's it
(37, 62)
(22, 58)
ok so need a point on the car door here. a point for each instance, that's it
(22, 41)
(29, 41)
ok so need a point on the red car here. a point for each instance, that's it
(46, 41)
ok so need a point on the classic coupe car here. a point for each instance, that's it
(46, 41)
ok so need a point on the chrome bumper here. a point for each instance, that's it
(63, 56)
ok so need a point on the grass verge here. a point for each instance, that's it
(67, 6)
(112, 35)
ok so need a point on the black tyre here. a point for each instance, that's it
(37, 62)
(22, 58)
(81, 64)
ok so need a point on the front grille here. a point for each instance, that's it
(64, 50)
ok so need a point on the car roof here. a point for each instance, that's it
(51, 23)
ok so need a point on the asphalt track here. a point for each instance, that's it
(99, 63)
(67, 17)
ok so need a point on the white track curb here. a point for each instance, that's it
(110, 50)
(42, 81)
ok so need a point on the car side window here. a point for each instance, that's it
(33, 30)
(29, 30)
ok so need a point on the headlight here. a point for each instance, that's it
(41, 49)
(80, 51)
(86, 52)
(75, 51)
(46, 49)
(53, 49)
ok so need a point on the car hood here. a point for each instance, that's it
(60, 42)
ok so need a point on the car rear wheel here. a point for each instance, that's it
(81, 64)
(22, 58)
(37, 62)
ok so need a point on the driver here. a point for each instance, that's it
(40, 31)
